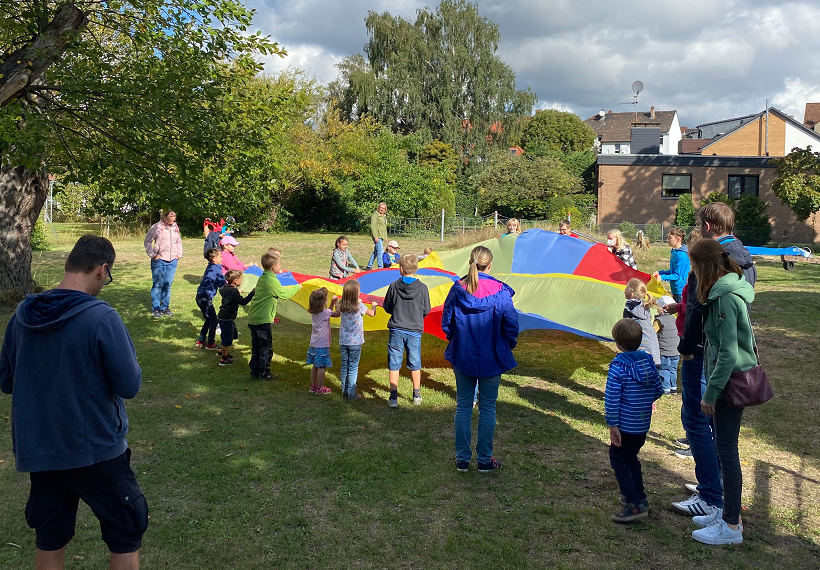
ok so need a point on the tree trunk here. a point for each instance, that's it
(22, 194)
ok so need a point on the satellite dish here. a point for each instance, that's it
(602, 113)
(637, 87)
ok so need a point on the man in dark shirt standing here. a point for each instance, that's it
(68, 362)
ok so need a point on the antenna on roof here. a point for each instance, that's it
(637, 87)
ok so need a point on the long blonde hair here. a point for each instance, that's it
(350, 297)
(620, 241)
(480, 260)
(636, 289)
(710, 262)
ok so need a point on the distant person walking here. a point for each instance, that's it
(378, 231)
(163, 244)
(67, 361)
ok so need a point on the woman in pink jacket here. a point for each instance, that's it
(163, 245)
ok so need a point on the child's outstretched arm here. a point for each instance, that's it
(335, 314)
(371, 312)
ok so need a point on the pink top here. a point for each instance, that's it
(229, 261)
(486, 287)
(320, 334)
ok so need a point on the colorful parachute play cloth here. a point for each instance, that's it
(560, 282)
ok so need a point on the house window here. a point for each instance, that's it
(617, 149)
(676, 184)
(742, 185)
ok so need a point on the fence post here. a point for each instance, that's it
(442, 225)
(495, 214)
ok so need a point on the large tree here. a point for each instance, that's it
(438, 75)
(126, 93)
(552, 131)
(798, 182)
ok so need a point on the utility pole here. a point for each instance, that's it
(767, 127)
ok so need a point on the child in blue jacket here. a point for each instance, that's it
(679, 267)
(212, 280)
(632, 385)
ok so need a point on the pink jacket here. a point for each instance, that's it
(229, 261)
(165, 241)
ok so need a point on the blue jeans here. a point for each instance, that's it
(669, 372)
(378, 252)
(699, 432)
(487, 395)
(400, 343)
(162, 274)
(351, 354)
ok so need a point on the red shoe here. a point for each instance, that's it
(323, 390)
(312, 389)
(276, 321)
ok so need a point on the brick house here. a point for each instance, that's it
(726, 156)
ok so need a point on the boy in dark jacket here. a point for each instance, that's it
(212, 280)
(668, 345)
(632, 385)
(231, 299)
(408, 302)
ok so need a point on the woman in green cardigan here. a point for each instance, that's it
(729, 347)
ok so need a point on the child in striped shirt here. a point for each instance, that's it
(632, 386)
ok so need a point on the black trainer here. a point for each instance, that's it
(491, 466)
(462, 466)
(225, 362)
(167, 313)
(624, 502)
(630, 513)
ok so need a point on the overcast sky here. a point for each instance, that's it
(709, 59)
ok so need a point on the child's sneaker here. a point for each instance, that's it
(682, 442)
(354, 397)
(718, 533)
(225, 362)
(312, 389)
(630, 513)
(417, 400)
(491, 466)
(323, 390)
(462, 466)
(694, 506)
(624, 502)
(684, 453)
(705, 520)
(200, 344)
(393, 402)
(156, 313)
(213, 347)
(674, 391)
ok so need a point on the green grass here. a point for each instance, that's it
(246, 474)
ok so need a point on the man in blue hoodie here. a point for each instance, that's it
(68, 362)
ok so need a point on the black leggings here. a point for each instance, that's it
(727, 431)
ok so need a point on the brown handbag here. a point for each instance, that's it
(748, 388)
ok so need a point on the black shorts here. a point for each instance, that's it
(110, 488)
(228, 332)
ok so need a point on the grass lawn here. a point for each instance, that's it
(248, 474)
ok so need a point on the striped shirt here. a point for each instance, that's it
(632, 385)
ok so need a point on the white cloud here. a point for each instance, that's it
(313, 58)
(555, 106)
(796, 93)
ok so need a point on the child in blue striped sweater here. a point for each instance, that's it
(632, 385)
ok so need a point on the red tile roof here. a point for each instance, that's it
(812, 116)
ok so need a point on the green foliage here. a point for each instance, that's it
(438, 154)
(752, 223)
(522, 187)
(685, 211)
(552, 131)
(580, 163)
(798, 182)
(718, 197)
(39, 237)
(654, 232)
(628, 229)
(437, 75)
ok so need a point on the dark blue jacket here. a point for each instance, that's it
(68, 362)
(482, 331)
(632, 385)
(212, 280)
(678, 271)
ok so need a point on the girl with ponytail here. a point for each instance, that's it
(481, 325)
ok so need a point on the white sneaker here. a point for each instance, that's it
(393, 402)
(705, 520)
(691, 487)
(718, 533)
(417, 400)
(694, 506)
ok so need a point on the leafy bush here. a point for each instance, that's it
(39, 237)
(557, 131)
(718, 197)
(752, 224)
(685, 211)
(628, 229)
(654, 232)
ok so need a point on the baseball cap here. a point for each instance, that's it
(228, 240)
(393, 243)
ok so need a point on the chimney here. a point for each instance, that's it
(610, 110)
(652, 112)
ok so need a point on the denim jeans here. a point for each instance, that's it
(699, 432)
(378, 252)
(351, 354)
(208, 330)
(669, 372)
(399, 343)
(162, 274)
(487, 395)
(261, 350)
(624, 461)
(727, 430)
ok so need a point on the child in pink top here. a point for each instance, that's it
(229, 259)
(319, 351)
